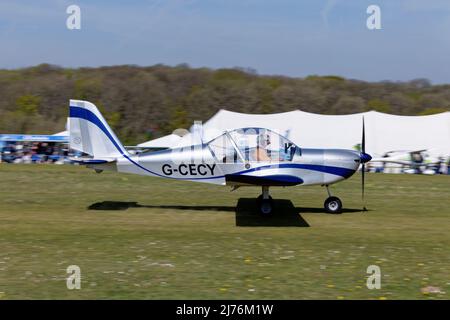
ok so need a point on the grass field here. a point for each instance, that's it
(146, 238)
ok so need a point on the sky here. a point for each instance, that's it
(284, 37)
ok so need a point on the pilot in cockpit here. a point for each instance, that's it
(261, 153)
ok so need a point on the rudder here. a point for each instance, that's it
(90, 133)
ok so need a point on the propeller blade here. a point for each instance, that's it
(362, 181)
(363, 167)
(363, 142)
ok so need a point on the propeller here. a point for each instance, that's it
(363, 150)
(364, 158)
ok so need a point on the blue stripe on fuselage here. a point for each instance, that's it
(339, 171)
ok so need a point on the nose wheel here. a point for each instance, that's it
(332, 204)
(265, 202)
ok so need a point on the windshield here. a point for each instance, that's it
(252, 145)
(224, 150)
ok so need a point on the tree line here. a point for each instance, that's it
(142, 103)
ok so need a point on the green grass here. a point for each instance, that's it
(183, 241)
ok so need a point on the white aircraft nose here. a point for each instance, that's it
(342, 163)
(344, 156)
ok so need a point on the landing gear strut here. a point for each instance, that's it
(332, 204)
(265, 201)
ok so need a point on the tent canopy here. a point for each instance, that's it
(164, 142)
(384, 132)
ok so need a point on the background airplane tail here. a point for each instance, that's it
(89, 132)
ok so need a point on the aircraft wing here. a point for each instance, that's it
(418, 151)
(387, 160)
(403, 162)
(268, 180)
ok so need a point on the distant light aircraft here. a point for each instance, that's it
(242, 157)
(417, 161)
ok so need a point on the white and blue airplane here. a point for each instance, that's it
(242, 157)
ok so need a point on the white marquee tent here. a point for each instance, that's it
(161, 143)
(384, 132)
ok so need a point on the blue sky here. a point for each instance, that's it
(287, 37)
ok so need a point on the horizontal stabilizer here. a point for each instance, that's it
(86, 161)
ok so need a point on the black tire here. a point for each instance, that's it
(265, 206)
(333, 205)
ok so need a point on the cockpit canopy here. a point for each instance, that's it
(252, 145)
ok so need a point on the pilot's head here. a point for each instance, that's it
(263, 140)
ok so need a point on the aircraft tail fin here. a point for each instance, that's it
(89, 132)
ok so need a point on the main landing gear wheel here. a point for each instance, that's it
(333, 205)
(265, 202)
(265, 205)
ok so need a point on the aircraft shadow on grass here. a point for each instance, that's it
(246, 212)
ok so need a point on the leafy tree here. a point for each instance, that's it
(142, 101)
(429, 111)
(379, 105)
(28, 104)
(346, 105)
